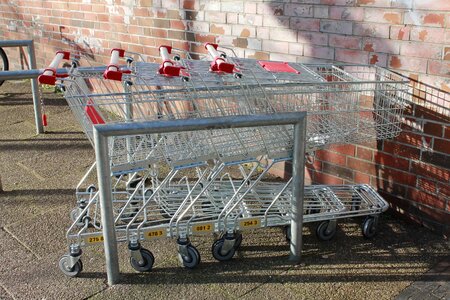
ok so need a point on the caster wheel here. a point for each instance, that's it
(91, 189)
(216, 251)
(148, 193)
(146, 265)
(74, 214)
(71, 272)
(323, 234)
(369, 227)
(192, 259)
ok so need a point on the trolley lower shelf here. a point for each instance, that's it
(267, 205)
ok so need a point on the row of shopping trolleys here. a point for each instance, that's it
(147, 209)
(199, 193)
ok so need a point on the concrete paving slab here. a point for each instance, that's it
(58, 172)
(270, 290)
(57, 159)
(42, 279)
(211, 279)
(12, 252)
(4, 295)
(22, 130)
(14, 114)
(17, 206)
(434, 284)
(164, 290)
(34, 216)
(50, 225)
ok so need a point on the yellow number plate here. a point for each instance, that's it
(94, 239)
(203, 228)
(151, 234)
(250, 223)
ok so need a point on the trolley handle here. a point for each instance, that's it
(219, 63)
(49, 75)
(113, 71)
(168, 66)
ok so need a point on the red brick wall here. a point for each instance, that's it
(409, 36)
(411, 171)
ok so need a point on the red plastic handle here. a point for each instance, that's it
(49, 75)
(220, 65)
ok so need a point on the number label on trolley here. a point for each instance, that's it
(250, 223)
(203, 228)
(94, 239)
(151, 234)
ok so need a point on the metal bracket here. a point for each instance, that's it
(331, 226)
(228, 244)
(74, 254)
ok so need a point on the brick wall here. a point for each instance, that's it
(411, 171)
(409, 36)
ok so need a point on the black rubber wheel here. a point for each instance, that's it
(323, 234)
(217, 247)
(4, 63)
(91, 189)
(148, 261)
(71, 272)
(193, 258)
(369, 227)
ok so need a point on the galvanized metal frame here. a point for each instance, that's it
(102, 132)
(25, 74)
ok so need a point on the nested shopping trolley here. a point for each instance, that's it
(181, 184)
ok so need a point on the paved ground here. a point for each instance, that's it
(39, 174)
(433, 284)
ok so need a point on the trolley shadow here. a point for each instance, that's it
(370, 261)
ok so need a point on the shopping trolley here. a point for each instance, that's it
(177, 185)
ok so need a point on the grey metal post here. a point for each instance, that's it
(27, 74)
(106, 209)
(35, 90)
(101, 133)
(298, 182)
